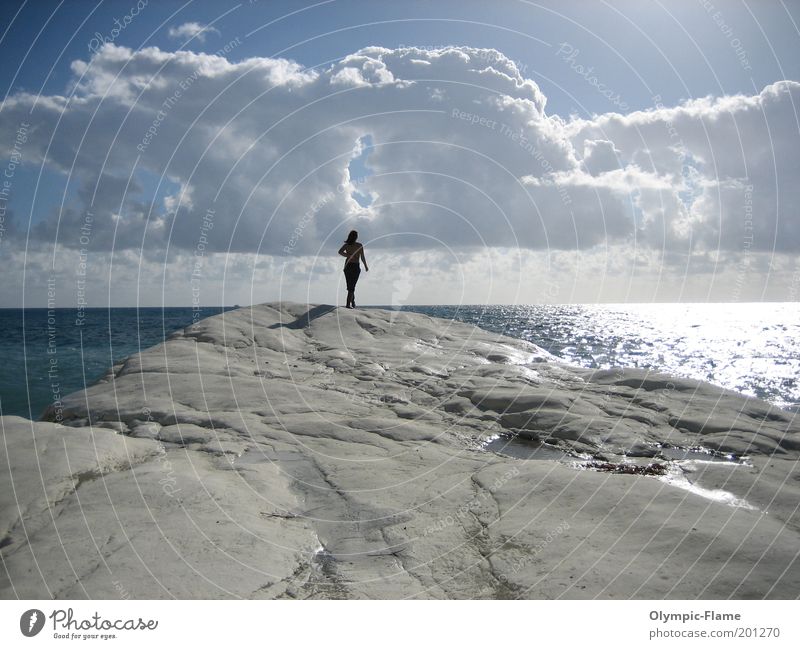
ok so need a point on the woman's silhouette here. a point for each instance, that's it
(352, 250)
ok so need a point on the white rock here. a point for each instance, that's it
(293, 451)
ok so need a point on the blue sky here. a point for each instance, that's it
(645, 56)
(675, 49)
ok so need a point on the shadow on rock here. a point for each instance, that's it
(305, 319)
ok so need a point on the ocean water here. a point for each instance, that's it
(751, 348)
(44, 355)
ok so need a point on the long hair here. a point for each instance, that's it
(351, 238)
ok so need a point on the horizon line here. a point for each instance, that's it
(391, 306)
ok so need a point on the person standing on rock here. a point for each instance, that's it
(352, 250)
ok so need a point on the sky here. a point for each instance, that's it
(180, 153)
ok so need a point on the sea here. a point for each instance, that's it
(46, 354)
(753, 348)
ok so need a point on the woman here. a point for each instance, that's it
(352, 250)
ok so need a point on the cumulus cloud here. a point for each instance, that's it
(463, 157)
(600, 156)
(729, 161)
(193, 30)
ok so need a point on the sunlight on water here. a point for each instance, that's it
(750, 348)
(753, 348)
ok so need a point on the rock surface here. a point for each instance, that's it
(282, 451)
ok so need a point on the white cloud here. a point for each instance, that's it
(722, 156)
(193, 30)
(464, 157)
(600, 156)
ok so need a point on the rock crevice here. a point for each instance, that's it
(283, 450)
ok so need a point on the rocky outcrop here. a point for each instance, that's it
(292, 451)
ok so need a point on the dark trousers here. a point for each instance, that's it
(351, 273)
